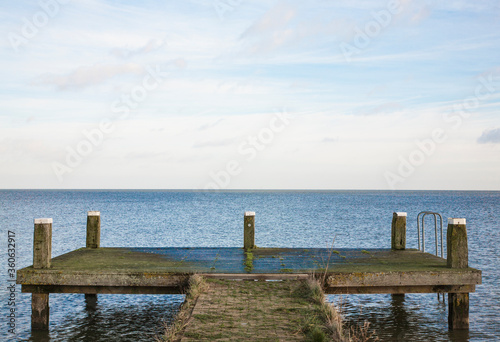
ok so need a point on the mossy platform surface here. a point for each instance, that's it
(152, 266)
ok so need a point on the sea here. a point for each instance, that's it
(144, 218)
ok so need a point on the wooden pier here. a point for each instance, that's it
(96, 270)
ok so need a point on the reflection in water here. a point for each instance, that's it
(112, 318)
(399, 317)
(40, 336)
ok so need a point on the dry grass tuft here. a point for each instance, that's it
(173, 332)
(332, 323)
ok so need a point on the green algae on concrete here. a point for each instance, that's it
(113, 259)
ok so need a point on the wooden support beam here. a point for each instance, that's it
(40, 311)
(457, 257)
(400, 290)
(93, 229)
(249, 230)
(93, 241)
(398, 231)
(399, 297)
(94, 290)
(458, 311)
(91, 301)
(398, 241)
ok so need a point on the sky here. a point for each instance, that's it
(240, 94)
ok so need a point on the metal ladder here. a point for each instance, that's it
(421, 246)
(421, 242)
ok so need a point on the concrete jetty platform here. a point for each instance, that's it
(166, 270)
(95, 270)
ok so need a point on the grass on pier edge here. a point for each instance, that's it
(173, 332)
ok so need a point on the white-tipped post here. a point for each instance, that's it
(42, 243)
(249, 230)
(398, 231)
(93, 229)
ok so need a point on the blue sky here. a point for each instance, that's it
(257, 94)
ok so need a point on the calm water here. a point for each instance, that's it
(284, 219)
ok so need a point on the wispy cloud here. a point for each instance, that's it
(86, 76)
(213, 143)
(329, 140)
(124, 53)
(490, 136)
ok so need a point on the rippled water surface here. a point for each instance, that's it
(358, 219)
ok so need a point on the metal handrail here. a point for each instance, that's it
(436, 215)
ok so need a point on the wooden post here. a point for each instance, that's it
(93, 229)
(93, 241)
(456, 241)
(42, 243)
(90, 301)
(398, 242)
(249, 230)
(42, 255)
(457, 257)
(398, 231)
(458, 311)
(40, 311)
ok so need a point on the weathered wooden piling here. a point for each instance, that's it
(456, 240)
(42, 255)
(40, 311)
(90, 301)
(42, 243)
(398, 231)
(249, 230)
(457, 257)
(93, 229)
(93, 241)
